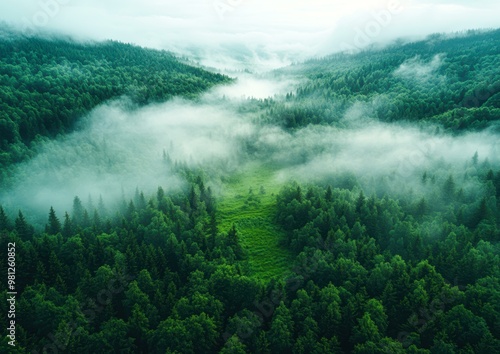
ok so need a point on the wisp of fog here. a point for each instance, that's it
(118, 150)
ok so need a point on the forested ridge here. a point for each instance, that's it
(49, 84)
(382, 262)
(453, 82)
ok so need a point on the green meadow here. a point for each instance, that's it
(249, 202)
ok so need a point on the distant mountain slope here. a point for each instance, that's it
(451, 80)
(46, 85)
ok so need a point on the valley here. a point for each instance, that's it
(348, 203)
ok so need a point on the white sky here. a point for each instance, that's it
(269, 33)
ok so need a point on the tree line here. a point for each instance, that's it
(49, 84)
(451, 82)
(373, 274)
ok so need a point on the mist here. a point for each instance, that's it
(119, 148)
(419, 70)
(250, 35)
(377, 150)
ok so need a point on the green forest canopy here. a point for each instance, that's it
(49, 84)
(453, 81)
(372, 273)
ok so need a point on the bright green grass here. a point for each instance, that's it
(252, 213)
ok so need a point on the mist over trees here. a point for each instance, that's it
(452, 82)
(377, 182)
(49, 84)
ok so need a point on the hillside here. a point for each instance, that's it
(359, 213)
(450, 80)
(48, 84)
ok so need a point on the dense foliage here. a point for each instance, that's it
(152, 276)
(48, 84)
(408, 269)
(454, 82)
(371, 276)
(397, 272)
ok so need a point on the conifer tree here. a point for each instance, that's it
(4, 221)
(24, 230)
(54, 225)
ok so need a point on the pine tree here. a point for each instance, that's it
(212, 231)
(67, 230)
(366, 330)
(234, 346)
(24, 230)
(101, 208)
(424, 178)
(90, 203)
(281, 332)
(193, 198)
(97, 222)
(298, 194)
(480, 214)
(233, 242)
(130, 209)
(78, 211)
(449, 189)
(160, 194)
(475, 159)
(360, 201)
(329, 194)
(4, 221)
(54, 225)
(86, 219)
(141, 202)
(421, 208)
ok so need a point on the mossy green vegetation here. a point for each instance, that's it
(248, 202)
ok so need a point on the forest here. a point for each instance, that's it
(358, 213)
(47, 84)
(450, 81)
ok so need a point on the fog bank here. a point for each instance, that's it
(255, 35)
(119, 148)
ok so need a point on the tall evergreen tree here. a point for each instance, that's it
(24, 230)
(78, 211)
(4, 221)
(54, 225)
(449, 188)
(281, 332)
(67, 229)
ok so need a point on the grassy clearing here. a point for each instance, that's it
(249, 202)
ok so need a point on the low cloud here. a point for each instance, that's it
(256, 35)
(120, 147)
(251, 86)
(418, 69)
(319, 153)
